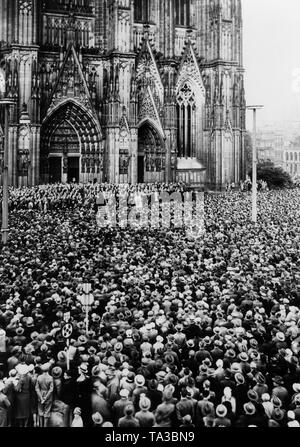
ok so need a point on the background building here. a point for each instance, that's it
(270, 146)
(291, 159)
(124, 90)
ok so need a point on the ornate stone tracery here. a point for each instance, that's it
(147, 73)
(190, 99)
(25, 6)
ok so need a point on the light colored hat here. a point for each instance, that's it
(296, 387)
(22, 369)
(280, 336)
(139, 380)
(83, 368)
(107, 425)
(97, 418)
(124, 393)
(45, 367)
(266, 397)
(221, 411)
(291, 415)
(20, 330)
(144, 403)
(249, 408)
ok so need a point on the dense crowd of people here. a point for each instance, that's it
(57, 196)
(182, 332)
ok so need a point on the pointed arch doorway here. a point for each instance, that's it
(151, 155)
(70, 146)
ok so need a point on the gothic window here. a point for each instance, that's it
(186, 119)
(141, 10)
(182, 12)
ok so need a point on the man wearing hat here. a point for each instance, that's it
(245, 365)
(99, 401)
(144, 416)
(249, 417)
(260, 387)
(186, 405)
(129, 383)
(44, 389)
(83, 391)
(165, 414)
(128, 421)
(113, 381)
(139, 389)
(56, 373)
(179, 336)
(280, 390)
(120, 404)
(221, 420)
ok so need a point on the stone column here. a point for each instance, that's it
(133, 165)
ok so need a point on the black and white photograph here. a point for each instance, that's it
(150, 217)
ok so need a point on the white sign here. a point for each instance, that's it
(87, 288)
(86, 300)
(67, 330)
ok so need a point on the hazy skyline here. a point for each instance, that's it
(272, 58)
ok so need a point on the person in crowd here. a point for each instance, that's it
(44, 389)
(4, 406)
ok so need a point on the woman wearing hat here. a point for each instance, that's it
(23, 396)
(77, 420)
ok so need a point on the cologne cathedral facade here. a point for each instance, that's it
(124, 91)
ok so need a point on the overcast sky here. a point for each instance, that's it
(272, 57)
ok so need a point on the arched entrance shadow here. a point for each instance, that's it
(70, 145)
(151, 154)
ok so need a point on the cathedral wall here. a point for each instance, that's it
(108, 40)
